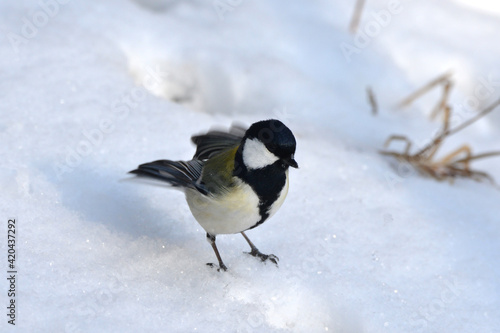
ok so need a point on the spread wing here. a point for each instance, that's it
(176, 173)
(188, 174)
(214, 142)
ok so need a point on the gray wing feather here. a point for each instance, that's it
(176, 173)
(215, 141)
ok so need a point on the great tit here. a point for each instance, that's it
(236, 180)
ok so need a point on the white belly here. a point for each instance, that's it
(225, 214)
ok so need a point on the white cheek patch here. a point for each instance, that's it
(256, 155)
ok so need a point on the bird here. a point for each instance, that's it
(236, 180)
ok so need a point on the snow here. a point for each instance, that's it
(91, 89)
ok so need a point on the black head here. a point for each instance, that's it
(276, 137)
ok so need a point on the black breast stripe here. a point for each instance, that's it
(267, 183)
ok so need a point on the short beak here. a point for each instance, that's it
(291, 162)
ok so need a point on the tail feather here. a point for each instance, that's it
(176, 173)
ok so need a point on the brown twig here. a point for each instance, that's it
(449, 132)
(454, 164)
(479, 156)
(356, 16)
(444, 99)
(372, 101)
(408, 100)
(481, 114)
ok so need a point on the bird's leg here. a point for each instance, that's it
(211, 240)
(256, 253)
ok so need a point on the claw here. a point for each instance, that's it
(256, 253)
(271, 257)
(222, 267)
(274, 259)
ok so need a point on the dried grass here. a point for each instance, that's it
(455, 164)
(356, 16)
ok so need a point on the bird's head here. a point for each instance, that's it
(268, 142)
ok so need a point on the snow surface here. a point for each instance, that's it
(90, 89)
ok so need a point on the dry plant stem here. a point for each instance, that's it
(449, 158)
(372, 100)
(479, 156)
(473, 119)
(399, 138)
(434, 145)
(444, 99)
(448, 132)
(408, 100)
(447, 167)
(356, 16)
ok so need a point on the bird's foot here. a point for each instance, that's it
(221, 267)
(271, 257)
